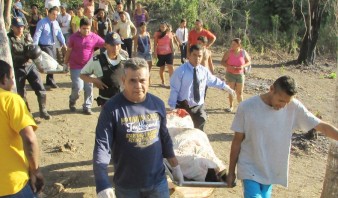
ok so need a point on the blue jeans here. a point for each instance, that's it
(160, 190)
(254, 189)
(26, 192)
(77, 86)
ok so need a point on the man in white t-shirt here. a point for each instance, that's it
(182, 37)
(64, 21)
(263, 128)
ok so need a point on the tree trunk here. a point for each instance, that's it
(7, 14)
(330, 186)
(5, 52)
(312, 21)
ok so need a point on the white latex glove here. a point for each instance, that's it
(177, 174)
(106, 193)
(231, 92)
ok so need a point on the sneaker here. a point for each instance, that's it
(87, 112)
(229, 110)
(72, 106)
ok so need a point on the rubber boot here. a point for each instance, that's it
(42, 107)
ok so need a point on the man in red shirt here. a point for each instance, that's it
(197, 32)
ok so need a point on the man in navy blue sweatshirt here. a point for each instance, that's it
(131, 130)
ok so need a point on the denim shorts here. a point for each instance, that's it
(147, 56)
(255, 189)
(159, 190)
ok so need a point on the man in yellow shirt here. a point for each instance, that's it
(19, 151)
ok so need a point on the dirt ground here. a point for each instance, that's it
(66, 141)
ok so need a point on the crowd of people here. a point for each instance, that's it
(131, 130)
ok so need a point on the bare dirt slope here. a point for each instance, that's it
(66, 141)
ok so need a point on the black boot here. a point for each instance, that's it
(42, 107)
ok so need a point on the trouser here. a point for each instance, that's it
(77, 86)
(254, 189)
(128, 45)
(26, 192)
(51, 51)
(159, 190)
(183, 49)
(33, 76)
(197, 113)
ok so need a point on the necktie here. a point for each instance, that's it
(52, 31)
(196, 87)
(183, 34)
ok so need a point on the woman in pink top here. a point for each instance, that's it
(164, 50)
(235, 60)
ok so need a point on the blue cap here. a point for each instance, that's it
(113, 38)
(17, 21)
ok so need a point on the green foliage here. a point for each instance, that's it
(332, 75)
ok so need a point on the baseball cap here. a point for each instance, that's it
(113, 38)
(17, 21)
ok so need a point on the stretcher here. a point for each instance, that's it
(190, 183)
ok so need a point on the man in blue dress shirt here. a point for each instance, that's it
(187, 87)
(46, 34)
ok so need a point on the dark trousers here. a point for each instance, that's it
(128, 46)
(51, 51)
(183, 49)
(197, 113)
(31, 74)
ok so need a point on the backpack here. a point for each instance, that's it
(247, 69)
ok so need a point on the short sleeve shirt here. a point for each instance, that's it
(193, 36)
(94, 67)
(264, 155)
(14, 165)
(83, 48)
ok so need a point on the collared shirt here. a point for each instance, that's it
(94, 67)
(64, 20)
(83, 48)
(43, 34)
(183, 37)
(181, 84)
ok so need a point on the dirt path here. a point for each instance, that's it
(66, 141)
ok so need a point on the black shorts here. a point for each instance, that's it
(165, 59)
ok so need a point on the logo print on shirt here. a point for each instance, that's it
(142, 129)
